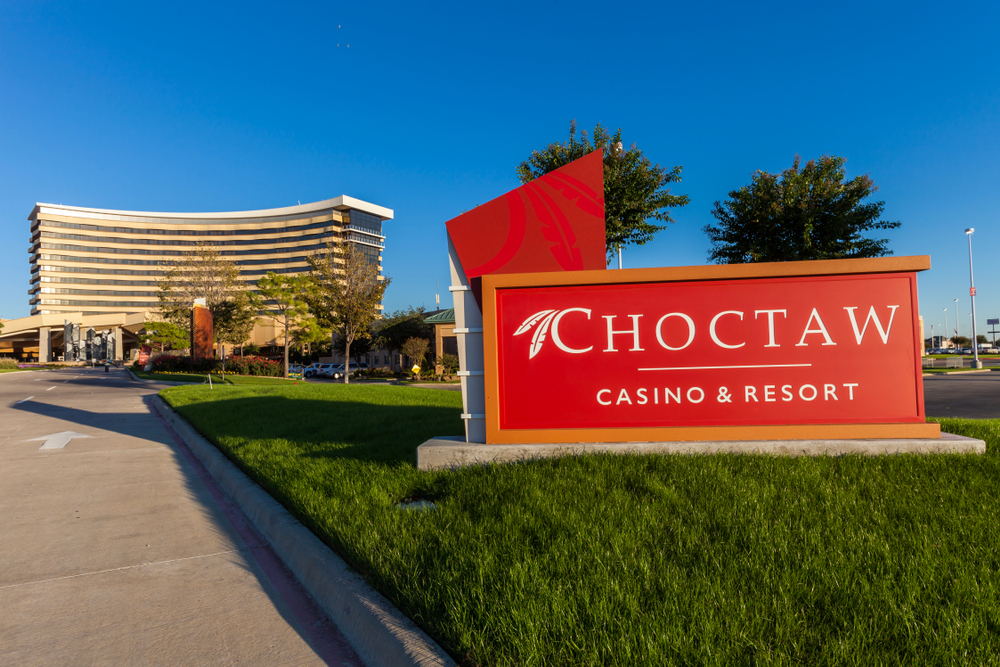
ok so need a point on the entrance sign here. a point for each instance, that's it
(792, 350)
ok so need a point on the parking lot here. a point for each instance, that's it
(969, 395)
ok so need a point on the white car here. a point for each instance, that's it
(318, 370)
(339, 372)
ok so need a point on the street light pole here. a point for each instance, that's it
(945, 326)
(958, 325)
(972, 295)
(619, 153)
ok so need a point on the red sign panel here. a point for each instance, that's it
(554, 223)
(822, 349)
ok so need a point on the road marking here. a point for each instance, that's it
(50, 389)
(58, 440)
(27, 399)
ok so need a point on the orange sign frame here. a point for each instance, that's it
(494, 282)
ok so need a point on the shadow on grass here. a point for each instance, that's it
(325, 429)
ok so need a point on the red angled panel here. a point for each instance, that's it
(554, 223)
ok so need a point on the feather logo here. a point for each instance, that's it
(545, 319)
(555, 229)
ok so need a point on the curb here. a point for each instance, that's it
(968, 370)
(167, 382)
(379, 632)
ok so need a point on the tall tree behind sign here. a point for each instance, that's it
(636, 196)
(807, 212)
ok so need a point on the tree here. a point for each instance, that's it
(634, 187)
(981, 339)
(309, 333)
(394, 329)
(166, 334)
(283, 295)
(201, 274)
(345, 292)
(359, 348)
(416, 350)
(803, 213)
(237, 318)
(960, 341)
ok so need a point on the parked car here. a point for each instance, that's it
(355, 367)
(295, 370)
(318, 370)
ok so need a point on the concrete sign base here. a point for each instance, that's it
(454, 452)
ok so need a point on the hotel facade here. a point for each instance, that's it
(96, 261)
(99, 266)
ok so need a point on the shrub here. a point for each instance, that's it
(170, 363)
(255, 366)
(379, 373)
(449, 362)
(7, 364)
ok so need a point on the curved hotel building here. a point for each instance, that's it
(99, 269)
(95, 261)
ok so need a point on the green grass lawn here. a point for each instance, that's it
(633, 560)
(200, 378)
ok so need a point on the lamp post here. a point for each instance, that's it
(945, 326)
(972, 295)
(958, 327)
(619, 153)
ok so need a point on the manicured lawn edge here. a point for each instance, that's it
(378, 631)
(202, 378)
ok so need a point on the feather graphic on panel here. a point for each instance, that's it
(556, 229)
(559, 231)
(532, 321)
(577, 192)
(540, 332)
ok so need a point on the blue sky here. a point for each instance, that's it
(217, 107)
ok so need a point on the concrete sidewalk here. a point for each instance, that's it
(119, 549)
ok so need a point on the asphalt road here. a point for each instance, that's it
(969, 395)
(119, 549)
